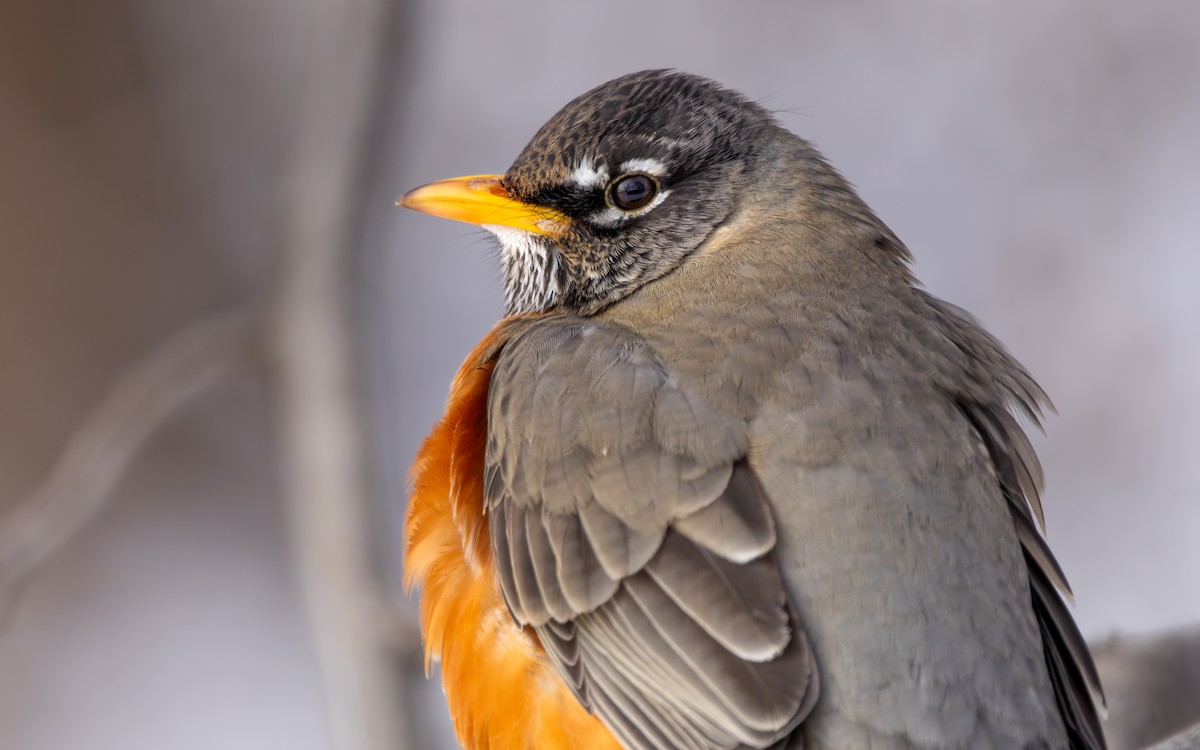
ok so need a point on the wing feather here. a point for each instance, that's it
(1073, 674)
(631, 533)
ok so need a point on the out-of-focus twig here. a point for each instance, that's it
(1152, 683)
(97, 453)
(1189, 739)
(319, 383)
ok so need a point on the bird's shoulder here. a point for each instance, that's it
(590, 410)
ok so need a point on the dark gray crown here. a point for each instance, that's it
(686, 121)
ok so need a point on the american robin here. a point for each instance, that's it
(723, 477)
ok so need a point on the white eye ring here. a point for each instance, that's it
(652, 167)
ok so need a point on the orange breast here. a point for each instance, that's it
(503, 692)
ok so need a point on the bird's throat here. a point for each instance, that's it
(530, 271)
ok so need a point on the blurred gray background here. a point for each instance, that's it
(1039, 159)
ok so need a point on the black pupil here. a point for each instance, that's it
(633, 192)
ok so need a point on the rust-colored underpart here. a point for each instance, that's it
(503, 692)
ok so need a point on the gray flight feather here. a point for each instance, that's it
(630, 532)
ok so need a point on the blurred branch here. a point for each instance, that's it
(320, 384)
(98, 452)
(1186, 740)
(1153, 685)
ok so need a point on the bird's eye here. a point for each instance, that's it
(631, 192)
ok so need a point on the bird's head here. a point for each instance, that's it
(616, 190)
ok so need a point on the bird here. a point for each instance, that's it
(724, 475)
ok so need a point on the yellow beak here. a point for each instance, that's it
(481, 199)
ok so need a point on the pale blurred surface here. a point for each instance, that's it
(1039, 160)
(1137, 667)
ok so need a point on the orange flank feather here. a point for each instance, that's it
(503, 692)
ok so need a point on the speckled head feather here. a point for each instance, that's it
(678, 118)
(694, 138)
